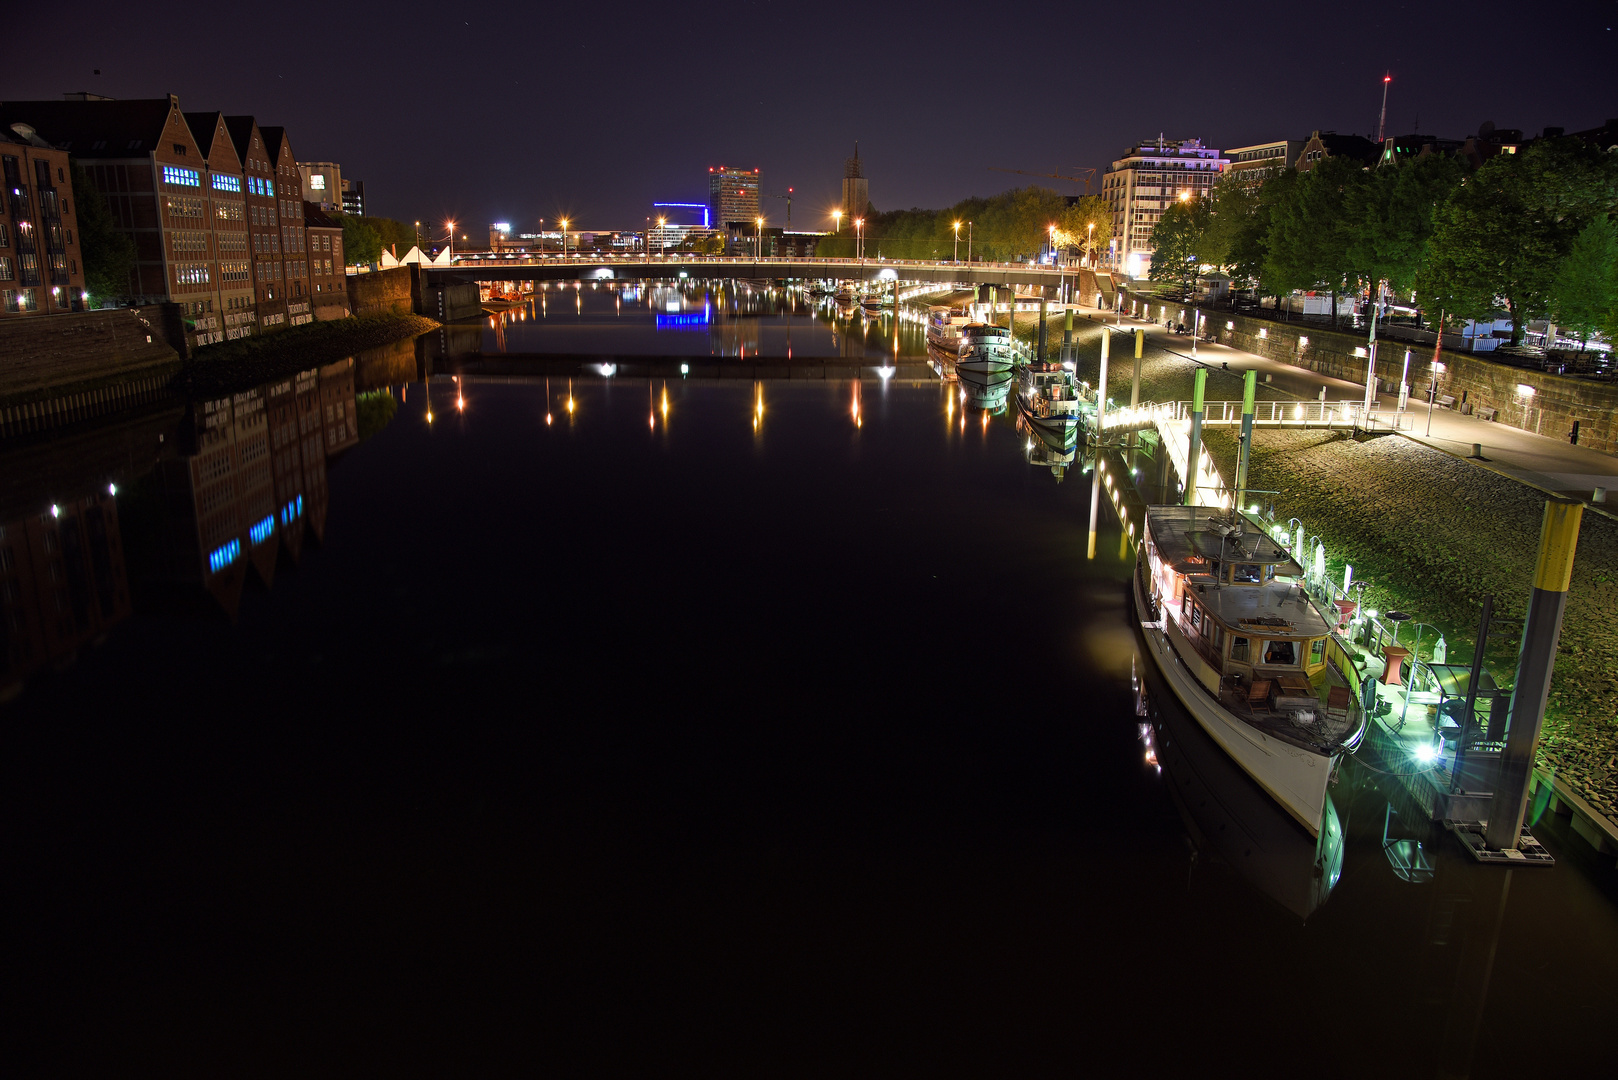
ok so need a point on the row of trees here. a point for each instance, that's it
(1012, 225)
(366, 238)
(1524, 233)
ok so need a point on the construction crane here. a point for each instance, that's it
(1083, 177)
(788, 198)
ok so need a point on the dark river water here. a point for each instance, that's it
(776, 727)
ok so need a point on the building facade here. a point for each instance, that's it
(733, 197)
(354, 197)
(326, 275)
(856, 188)
(261, 196)
(294, 235)
(1325, 144)
(40, 269)
(322, 184)
(1259, 162)
(1140, 185)
(233, 315)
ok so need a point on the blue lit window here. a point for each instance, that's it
(695, 321)
(227, 183)
(222, 557)
(173, 174)
(261, 531)
(292, 510)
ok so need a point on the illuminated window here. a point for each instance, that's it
(226, 183)
(262, 530)
(183, 177)
(222, 557)
(318, 182)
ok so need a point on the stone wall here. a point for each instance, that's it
(42, 358)
(1473, 381)
(450, 301)
(382, 292)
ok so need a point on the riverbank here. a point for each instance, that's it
(1471, 533)
(218, 368)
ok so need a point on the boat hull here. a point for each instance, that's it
(1055, 431)
(1293, 776)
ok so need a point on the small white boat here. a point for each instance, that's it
(1050, 403)
(1243, 647)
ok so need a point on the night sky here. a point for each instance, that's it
(490, 113)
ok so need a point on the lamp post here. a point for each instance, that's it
(451, 248)
(418, 234)
(564, 237)
(957, 256)
(968, 241)
(859, 239)
(1052, 230)
(1089, 235)
(836, 222)
(758, 239)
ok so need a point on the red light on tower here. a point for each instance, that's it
(1387, 78)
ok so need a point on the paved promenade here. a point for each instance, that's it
(1553, 465)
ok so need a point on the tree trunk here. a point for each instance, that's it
(1517, 327)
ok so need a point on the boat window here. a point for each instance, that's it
(1246, 572)
(1317, 650)
(1280, 652)
(1238, 648)
(1196, 614)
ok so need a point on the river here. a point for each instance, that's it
(622, 724)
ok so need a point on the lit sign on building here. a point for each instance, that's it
(318, 181)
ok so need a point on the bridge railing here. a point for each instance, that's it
(472, 262)
(1266, 413)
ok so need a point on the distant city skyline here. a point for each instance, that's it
(522, 116)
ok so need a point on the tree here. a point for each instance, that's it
(1395, 213)
(1175, 239)
(1086, 225)
(1232, 205)
(109, 255)
(361, 243)
(1583, 294)
(1502, 235)
(1249, 247)
(1311, 228)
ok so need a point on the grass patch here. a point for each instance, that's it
(249, 361)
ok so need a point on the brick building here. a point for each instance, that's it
(294, 237)
(261, 196)
(40, 271)
(326, 273)
(234, 315)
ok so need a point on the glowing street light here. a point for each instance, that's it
(662, 238)
(758, 239)
(859, 234)
(564, 237)
(957, 228)
(451, 249)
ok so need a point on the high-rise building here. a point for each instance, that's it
(856, 188)
(39, 254)
(733, 197)
(1140, 185)
(322, 184)
(354, 197)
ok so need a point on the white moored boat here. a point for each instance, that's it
(1246, 651)
(985, 348)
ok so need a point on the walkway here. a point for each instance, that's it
(1552, 465)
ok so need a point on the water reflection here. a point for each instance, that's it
(176, 505)
(1228, 817)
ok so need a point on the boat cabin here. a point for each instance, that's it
(1230, 600)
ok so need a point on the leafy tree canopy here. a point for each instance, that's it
(109, 255)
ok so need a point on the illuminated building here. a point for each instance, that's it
(733, 197)
(1140, 185)
(294, 235)
(354, 197)
(322, 184)
(234, 314)
(145, 161)
(39, 253)
(326, 274)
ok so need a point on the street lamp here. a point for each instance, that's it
(451, 249)
(836, 222)
(758, 239)
(564, 237)
(418, 234)
(1089, 235)
(1052, 231)
(662, 238)
(957, 256)
(859, 237)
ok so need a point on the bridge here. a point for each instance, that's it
(510, 267)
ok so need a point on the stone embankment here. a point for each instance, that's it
(60, 356)
(219, 368)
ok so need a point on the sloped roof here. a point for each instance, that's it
(274, 137)
(204, 125)
(108, 129)
(241, 134)
(316, 218)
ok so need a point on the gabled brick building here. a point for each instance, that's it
(294, 238)
(262, 197)
(234, 314)
(326, 273)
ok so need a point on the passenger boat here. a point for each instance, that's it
(944, 330)
(985, 348)
(1243, 647)
(984, 390)
(1049, 403)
